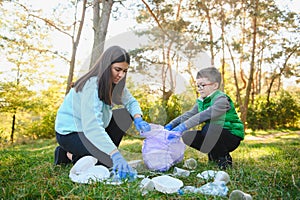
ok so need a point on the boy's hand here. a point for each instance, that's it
(168, 127)
(180, 128)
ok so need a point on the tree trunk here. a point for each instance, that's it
(211, 37)
(74, 47)
(100, 27)
(238, 95)
(13, 128)
(252, 66)
(223, 50)
(293, 50)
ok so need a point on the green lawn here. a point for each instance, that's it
(265, 166)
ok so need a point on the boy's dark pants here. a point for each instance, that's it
(212, 139)
(77, 144)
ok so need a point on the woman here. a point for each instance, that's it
(85, 122)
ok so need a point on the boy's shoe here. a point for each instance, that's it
(224, 162)
(212, 158)
(60, 156)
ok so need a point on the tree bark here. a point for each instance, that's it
(100, 24)
(211, 37)
(13, 128)
(280, 73)
(252, 66)
(75, 43)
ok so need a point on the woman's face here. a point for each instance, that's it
(118, 71)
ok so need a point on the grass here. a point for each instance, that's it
(265, 166)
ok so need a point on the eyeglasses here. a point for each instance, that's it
(201, 86)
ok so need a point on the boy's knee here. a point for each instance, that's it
(188, 137)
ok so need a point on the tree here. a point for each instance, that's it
(286, 68)
(24, 43)
(252, 63)
(72, 30)
(168, 32)
(100, 25)
(15, 99)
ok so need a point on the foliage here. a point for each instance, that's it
(15, 101)
(35, 111)
(281, 111)
(157, 110)
(15, 97)
(26, 49)
(44, 127)
(265, 167)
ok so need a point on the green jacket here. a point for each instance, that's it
(228, 120)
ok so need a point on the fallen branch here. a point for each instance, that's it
(294, 182)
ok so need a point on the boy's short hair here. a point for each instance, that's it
(211, 73)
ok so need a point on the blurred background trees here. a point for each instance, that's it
(254, 43)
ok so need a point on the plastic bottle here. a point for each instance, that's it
(190, 163)
(217, 188)
(239, 195)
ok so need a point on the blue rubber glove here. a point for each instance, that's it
(179, 129)
(172, 136)
(141, 125)
(168, 127)
(121, 167)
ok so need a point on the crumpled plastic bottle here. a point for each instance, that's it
(238, 194)
(217, 188)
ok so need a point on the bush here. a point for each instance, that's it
(158, 111)
(44, 127)
(281, 111)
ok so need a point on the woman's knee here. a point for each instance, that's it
(122, 118)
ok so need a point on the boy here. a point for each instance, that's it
(222, 130)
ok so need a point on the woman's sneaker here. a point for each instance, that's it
(60, 156)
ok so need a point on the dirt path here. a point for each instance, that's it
(269, 136)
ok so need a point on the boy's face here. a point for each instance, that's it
(205, 87)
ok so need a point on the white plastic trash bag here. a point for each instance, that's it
(159, 153)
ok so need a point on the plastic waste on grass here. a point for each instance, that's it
(239, 195)
(180, 172)
(165, 184)
(216, 175)
(85, 171)
(190, 163)
(217, 187)
(146, 185)
(135, 163)
(222, 176)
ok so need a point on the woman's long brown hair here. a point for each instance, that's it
(107, 91)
